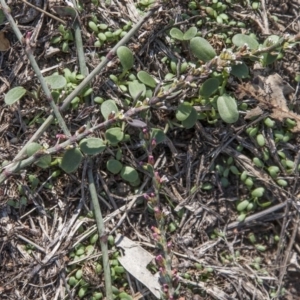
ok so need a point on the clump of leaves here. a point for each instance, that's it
(63, 39)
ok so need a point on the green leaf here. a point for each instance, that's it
(258, 192)
(241, 39)
(158, 135)
(129, 174)
(241, 217)
(136, 89)
(269, 58)
(107, 107)
(282, 182)
(114, 135)
(240, 71)
(56, 82)
(190, 33)
(44, 162)
(202, 49)
(176, 33)
(34, 181)
(32, 148)
(87, 92)
(183, 111)
(93, 26)
(14, 95)
(92, 146)
(146, 78)
(227, 108)
(209, 87)
(191, 120)
(113, 166)
(71, 160)
(126, 57)
(242, 205)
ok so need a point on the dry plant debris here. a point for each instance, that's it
(49, 245)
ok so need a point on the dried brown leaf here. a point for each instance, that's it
(270, 91)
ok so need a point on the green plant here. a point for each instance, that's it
(63, 39)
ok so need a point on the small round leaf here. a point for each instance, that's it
(191, 120)
(44, 162)
(183, 111)
(258, 192)
(107, 107)
(240, 71)
(242, 205)
(56, 82)
(129, 174)
(126, 57)
(71, 160)
(202, 49)
(190, 33)
(92, 146)
(227, 108)
(32, 148)
(113, 166)
(209, 87)
(114, 135)
(14, 95)
(242, 39)
(136, 89)
(158, 135)
(146, 78)
(176, 33)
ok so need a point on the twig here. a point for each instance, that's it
(101, 232)
(44, 12)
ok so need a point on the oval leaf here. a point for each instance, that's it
(242, 205)
(56, 82)
(202, 49)
(241, 39)
(240, 71)
(126, 57)
(191, 120)
(44, 162)
(107, 107)
(227, 108)
(176, 33)
(136, 89)
(14, 95)
(146, 78)
(190, 33)
(92, 146)
(258, 192)
(113, 166)
(32, 148)
(114, 135)
(129, 174)
(183, 111)
(71, 160)
(209, 87)
(158, 135)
